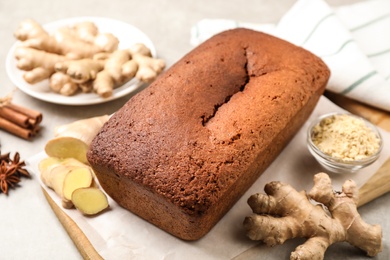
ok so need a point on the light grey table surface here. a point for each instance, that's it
(28, 227)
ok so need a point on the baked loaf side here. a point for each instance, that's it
(181, 152)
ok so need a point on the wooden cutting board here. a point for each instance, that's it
(375, 187)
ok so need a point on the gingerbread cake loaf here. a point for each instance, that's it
(181, 152)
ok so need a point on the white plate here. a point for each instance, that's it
(127, 35)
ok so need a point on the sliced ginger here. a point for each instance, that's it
(284, 213)
(75, 179)
(54, 178)
(67, 146)
(90, 201)
(45, 163)
(54, 172)
(65, 177)
(72, 140)
(66, 170)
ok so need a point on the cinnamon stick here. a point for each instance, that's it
(36, 116)
(35, 130)
(15, 129)
(14, 117)
(18, 120)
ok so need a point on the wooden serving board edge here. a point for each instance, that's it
(81, 241)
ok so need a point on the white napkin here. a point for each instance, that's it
(353, 40)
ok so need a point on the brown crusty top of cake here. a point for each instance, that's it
(190, 134)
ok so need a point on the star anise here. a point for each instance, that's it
(4, 157)
(19, 165)
(8, 178)
(10, 171)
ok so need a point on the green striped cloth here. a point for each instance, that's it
(353, 40)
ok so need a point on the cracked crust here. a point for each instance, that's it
(182, 152)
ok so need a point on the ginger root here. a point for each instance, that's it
(86, 31)
(90, 59)
(80, 71)
(90, 201)
(74, 183)
(148, 67)
(123, 65)
(39, 51)
(80, 177)
(38, 64)
(285, 213)
(62, 83)
(118, 69)
(89, 32)
(54, 174)
(66, 169)
(29, 29)
(72, 140)
(83, 40)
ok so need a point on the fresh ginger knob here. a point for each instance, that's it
(284, 213)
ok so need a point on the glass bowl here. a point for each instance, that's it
(338, 165)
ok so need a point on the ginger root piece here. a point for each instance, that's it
(80, 71)
(118, 69)
(140, 48)
(77, 178)
(29, 29)
(285, 213)
(86, 87)
(63, 41)
(89, 32)
(86, 31)
(47, 162)
(83, 40)
(70, 45)
(38, 64)
(37, 75)
(67, 146)
(107, 42)
(103, 85)
(90, 58)
(64, 176)
(44, 43)
(129, 69)
(72, 140)
(148, 67)
(90, 201)
(53, 177)
(114, 65)
(62, 83)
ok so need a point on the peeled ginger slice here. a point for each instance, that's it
(67, 147)
(89, 201)
(45, 163)
(72, 140)
(75, 179)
